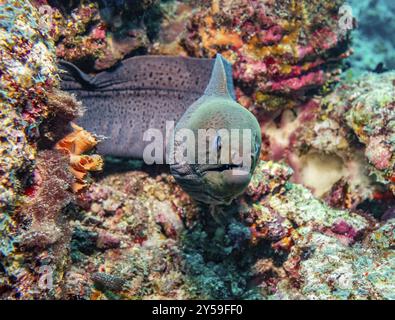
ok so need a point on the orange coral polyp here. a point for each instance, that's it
(77, 142)
(74, 144)
(87, 163)
(78, 186)
(78, 174)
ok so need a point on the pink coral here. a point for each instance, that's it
(378, 153)
(276, 47)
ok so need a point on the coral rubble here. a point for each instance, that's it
(346, 137)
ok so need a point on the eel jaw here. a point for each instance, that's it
(216, 184)
(225, 182)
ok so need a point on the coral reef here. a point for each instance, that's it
(36, 183)
(133, 233)
(175, 17)
(367, 107)
(127, 238)
(282, 51)
(332, 254)
(47, 196)
(28, 72)
(345, 137)
(95, 35)
(334, 271)
(36, 265)
(140, 237)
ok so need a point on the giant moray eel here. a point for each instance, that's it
(145, 92)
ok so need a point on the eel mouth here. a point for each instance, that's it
(221, 168)
(230, 169)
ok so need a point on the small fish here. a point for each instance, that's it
(380, 68)
(146, 92)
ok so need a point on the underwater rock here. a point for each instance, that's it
(370, 112)
(275, 215)
(43, 232)
(270, 246)
(364, 109)
(95, 35)
(36, 198)
(50, 193)
(161, 235)
(280, 50)
(345, 137)
(267, 179)
(135, 243)
(28, 73)
(333, 254)
(135, 234)
(174, 21)
(106, 240)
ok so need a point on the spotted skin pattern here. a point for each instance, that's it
(141, 93)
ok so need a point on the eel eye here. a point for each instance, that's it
(217, 145)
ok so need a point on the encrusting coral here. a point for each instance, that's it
(142, 237)
(35, 181)
(345, 136)
(49, 193)
(97, 34)
(356, 123)
(280, 50)
(367, 106)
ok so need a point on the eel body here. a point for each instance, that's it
(141, 93)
